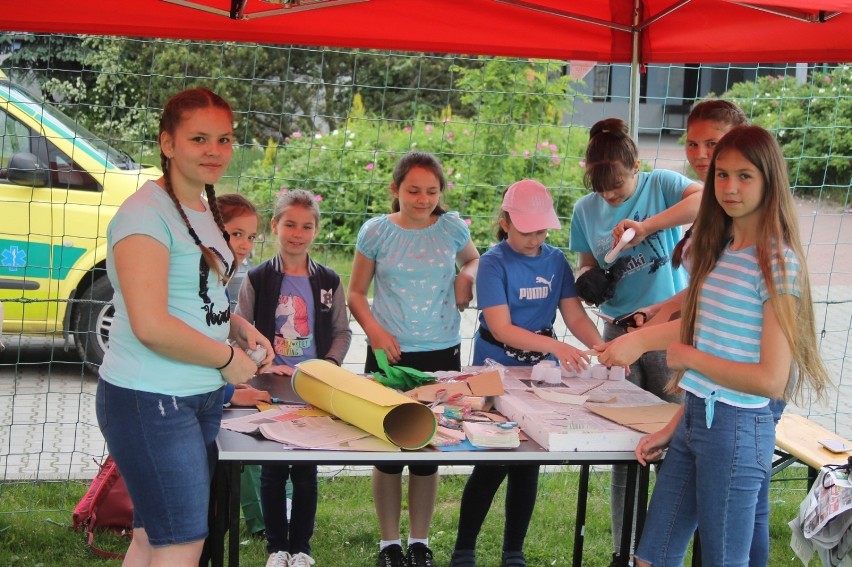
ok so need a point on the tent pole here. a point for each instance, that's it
(635, 91)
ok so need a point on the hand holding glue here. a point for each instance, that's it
(628, 235)
(257, 355)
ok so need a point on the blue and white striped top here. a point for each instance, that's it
(729, 322)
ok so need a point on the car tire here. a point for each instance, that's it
(92, 322)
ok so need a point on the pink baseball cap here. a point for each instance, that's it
(530, 206)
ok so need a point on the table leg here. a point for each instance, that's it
(580, 525)
(630, 495)
(642, 500)
(234, 516)
(215, 544)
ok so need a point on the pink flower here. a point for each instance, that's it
(282, 190)
(526, 153)
(286, 139)
(553, 147)
(445, 120)
(318, 198)
(297, 134)
(407, 128)
(450, 185)
(370, 166)
(428, 128)
(827, 80)
(467, 222)
(450, 171)
(582, 163)
(450, 135)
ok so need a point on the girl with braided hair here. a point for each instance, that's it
(160, 393)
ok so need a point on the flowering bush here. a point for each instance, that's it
(351, 169)
(812, 121)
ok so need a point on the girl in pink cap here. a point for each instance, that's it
(522, 283)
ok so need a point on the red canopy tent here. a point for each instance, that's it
(667, 31)
(618, 31)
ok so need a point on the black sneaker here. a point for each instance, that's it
(391, 556)
(419, 555)
(513, 559)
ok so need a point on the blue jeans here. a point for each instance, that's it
(711, 480)
(759, 555)
(165, 448)
(293, 536)
(651, 372)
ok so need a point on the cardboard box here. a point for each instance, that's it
(478, 385)
(567, 427)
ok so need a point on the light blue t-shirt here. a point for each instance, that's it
(294, 322)
(130, 364)
(729, 320)
(650, 278)
(530, 286)
(414, 293)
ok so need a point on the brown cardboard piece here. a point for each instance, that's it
(483, 384)
(647, 419)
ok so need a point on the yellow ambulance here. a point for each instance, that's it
(59, 187)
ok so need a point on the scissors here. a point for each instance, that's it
(442, 396)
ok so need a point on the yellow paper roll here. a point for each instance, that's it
(374, 408)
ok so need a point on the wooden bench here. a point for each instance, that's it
(797, 440)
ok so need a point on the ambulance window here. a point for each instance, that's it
(66, 174)
(14, 138)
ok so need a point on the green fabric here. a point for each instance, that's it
(250, 498)
(398, 377)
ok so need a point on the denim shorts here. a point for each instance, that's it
(165, 448)
(710, 480)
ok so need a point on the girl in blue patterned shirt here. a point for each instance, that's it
(411, 256)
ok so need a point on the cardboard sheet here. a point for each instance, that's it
(374, 408)
(483, 384)
(647, 419)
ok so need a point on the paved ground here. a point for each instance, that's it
(47, 420)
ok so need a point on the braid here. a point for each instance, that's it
(209, 257)
(220, 222)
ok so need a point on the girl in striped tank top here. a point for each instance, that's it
(747, 318)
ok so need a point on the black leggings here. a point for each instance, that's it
(479, 493)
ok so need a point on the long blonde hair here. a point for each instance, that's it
(778, 227)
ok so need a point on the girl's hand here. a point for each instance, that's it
(381, 339)
(651, 446)
(240, 369)
(279, 369)
(247, 337)
(621, 351)
(571, 357)
(247, 396)
(464, 291)
(677, 356)
(619, 229)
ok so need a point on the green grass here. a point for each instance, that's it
(35, 524)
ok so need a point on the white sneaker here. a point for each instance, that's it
(278, 559)
(301, 560)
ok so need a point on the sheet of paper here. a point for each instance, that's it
(311, 432)
(559, 397)
(251, 422)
